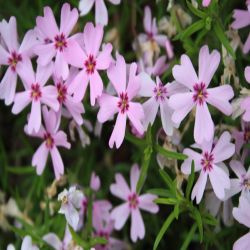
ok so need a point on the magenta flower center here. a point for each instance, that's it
(123, 103)
(49, 141)
(61, 91)
(200, 93)
(35, 92)
(160, 92)
(133, 201)
(207, 161)
(60, 42)
(90, 64)
(14, 59)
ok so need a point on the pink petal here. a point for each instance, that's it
(146, 202)
(61, 140)
(92, 37)
(242, 243)
(68, 19)
(101, 13)
(49, 97)
(104, 58)
(116, 2)
(136, 115)
(43, 73)
(137, 229)
(242, 19)
(161, 40)
(45, 53)
(169, 49)
(150, 108)
(134, 82)
(85, 6)
(120, 215)
(74, 54)
(28, 43)
(241, 214)
(199, 187)
(50, 120)
(118, 133)
(53, 240)
(75, 109)
(204, 126)
(8, 86)
(4, 55)
(61, 66)
(208, 64)
(26, 73)
(220, 181)
(134, 177)
(182, 104)
(166, 114)
(185, 73)
(21, 101)
(147, 19)
(39, 158)
(219, 97)
(160, 66)
(57, 162)
(108, 107)
(79, 85)
(35, 120)
(247, 74)
(205, 3)
(192, 155)
(223, 149)
(235, 188)
(246, 46)
(117, 74)
(96, 87)
(238, 168)
(47, 24)
(120, 188)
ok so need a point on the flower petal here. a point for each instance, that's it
(136, 115)
(104, 58)
(199, 187)
(21, 101)
(137, 229)
(120, 215)
(57, 162)
(146, 202)
(120, 188)
(39, 158)
(134, 177)
(85, 6)
(101, 13)
(96, 87)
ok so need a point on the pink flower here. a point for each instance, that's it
(245, 103)
(89, 60)
(95, 182)
(206, 3)
(241, 20)
(56, 41)
(242, 182)
(26, 244)
(132, 205)
(68, 106)
(71, 201)
(36, 94)
(52, 138)
(123, 105)
(210, 164)
(241, 138)
(151, 30)
(101, 13)
(159, 95)
(241, 214)
(199, 95)
(14, 56)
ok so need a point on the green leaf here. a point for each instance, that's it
(219, 32)
(78, 240)
(161, 192)
(198, 219)
(167, 179)
(190, 181)
(134, 140)
(195, 11)
(21, 170)
(163, 229)
(170, 154)
(176, 211)
(166, 201)
(98, 241)
(190, 30)
(189, 237)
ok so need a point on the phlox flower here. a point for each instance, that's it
(199, 94)
(242, 138)
(206, 3)
(123, 105)
(159, 96)
(241, 214)
(210, 164)
(71, 201)
(36, 94)
(245, 103)
(26, 244)
(133, 202)
(242, 20)
(52, 138)
(13, 55)
(67, 243)
(56, 41)
(101, 12)
(95, 182)
(68, 106)
(90, 60)
(242, 182)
